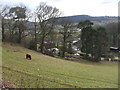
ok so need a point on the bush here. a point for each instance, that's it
(32, 45)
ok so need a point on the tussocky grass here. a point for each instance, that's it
(49, 72)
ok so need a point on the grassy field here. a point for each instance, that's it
(48, 72)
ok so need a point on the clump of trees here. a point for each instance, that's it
(112, 31)
(15, 19)
(94, 41)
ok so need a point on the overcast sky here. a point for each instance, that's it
(74, 7)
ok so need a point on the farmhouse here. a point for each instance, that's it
(50, 49)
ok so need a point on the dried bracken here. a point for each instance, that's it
(6, 84)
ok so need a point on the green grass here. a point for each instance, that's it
(48, 72)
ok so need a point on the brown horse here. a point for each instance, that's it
(28, 56)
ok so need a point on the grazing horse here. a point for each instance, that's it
(28, 56)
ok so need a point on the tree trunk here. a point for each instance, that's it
(42, 44)
(64, 43)
(19, 36)
(35, 37)
(3, 30)
(11, 31)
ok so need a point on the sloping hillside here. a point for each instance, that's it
(48, 72)
(78, 18)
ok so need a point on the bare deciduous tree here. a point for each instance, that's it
(66, 31)
(3, 12)
(47, 17)
(19, 15)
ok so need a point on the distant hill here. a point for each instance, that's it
(78, 18)
(101, 20)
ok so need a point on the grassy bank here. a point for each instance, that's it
(48, 72)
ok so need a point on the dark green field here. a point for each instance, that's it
(48, 72)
